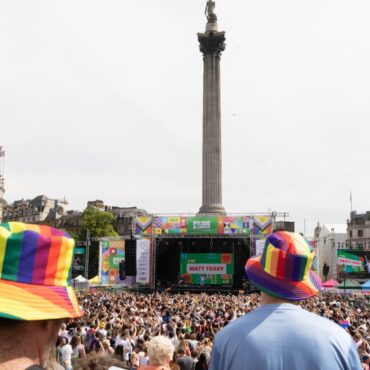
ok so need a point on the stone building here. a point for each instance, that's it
(36, 210)
(71, 221)
(123, 217)
(284, 226)
(96, 204)
(358, 230)
(329, 238)
(53, 212)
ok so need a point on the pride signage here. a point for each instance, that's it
(202, 225)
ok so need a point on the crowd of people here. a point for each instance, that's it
(291, 324)
(121, 325)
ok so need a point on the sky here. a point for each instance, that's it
(103, 100)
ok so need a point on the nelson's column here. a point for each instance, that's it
(212, 44)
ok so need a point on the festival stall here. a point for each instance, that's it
(330, 286)
(80, 282)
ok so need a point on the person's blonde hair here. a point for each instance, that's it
(160, 349)
(51, 362)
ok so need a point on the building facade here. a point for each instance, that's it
(53, 212)
(71, 221)
(36, 210)
(358, 230)
(328, 239)
(284, 226)
(123, 218)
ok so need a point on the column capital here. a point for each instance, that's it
(212, 43)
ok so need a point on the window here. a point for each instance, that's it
(350, 233)
(360, 233)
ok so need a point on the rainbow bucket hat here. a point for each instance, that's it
(285, 268)
(35, 267)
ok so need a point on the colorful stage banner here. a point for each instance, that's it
(143, 261)
(173, 225)
(236, 225)
(198, 225)
(262, 225)
(111, 254)
(144, 225)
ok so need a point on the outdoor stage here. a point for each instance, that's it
(181, 253)
(171, 252)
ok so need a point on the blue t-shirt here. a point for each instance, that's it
(283, 337)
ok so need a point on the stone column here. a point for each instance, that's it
(212, 43)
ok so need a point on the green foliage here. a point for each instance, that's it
(99, 223)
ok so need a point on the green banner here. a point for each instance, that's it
(207, 268)
(201, 225)
(114, 261)
(350, 262)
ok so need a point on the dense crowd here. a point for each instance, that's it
(164, 331)
(121, 325)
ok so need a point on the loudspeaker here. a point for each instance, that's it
(122, 272)
(325, 269)
(130, 257)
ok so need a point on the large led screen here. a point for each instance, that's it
(207, 268)
(354, 263)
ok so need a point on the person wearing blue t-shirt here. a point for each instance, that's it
(280, 335)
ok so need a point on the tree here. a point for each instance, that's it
(99, 224)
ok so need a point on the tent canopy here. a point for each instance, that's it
(94, 280)
(330, 284)
(366, 285)
(80, 279)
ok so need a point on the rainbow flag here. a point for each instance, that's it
(344, 324)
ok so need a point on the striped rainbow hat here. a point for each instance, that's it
(285, 268)
(35, 266)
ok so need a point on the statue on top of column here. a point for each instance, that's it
(209, 12)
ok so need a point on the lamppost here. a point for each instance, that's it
(88, 241)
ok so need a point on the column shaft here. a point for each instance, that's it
(211, 45)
